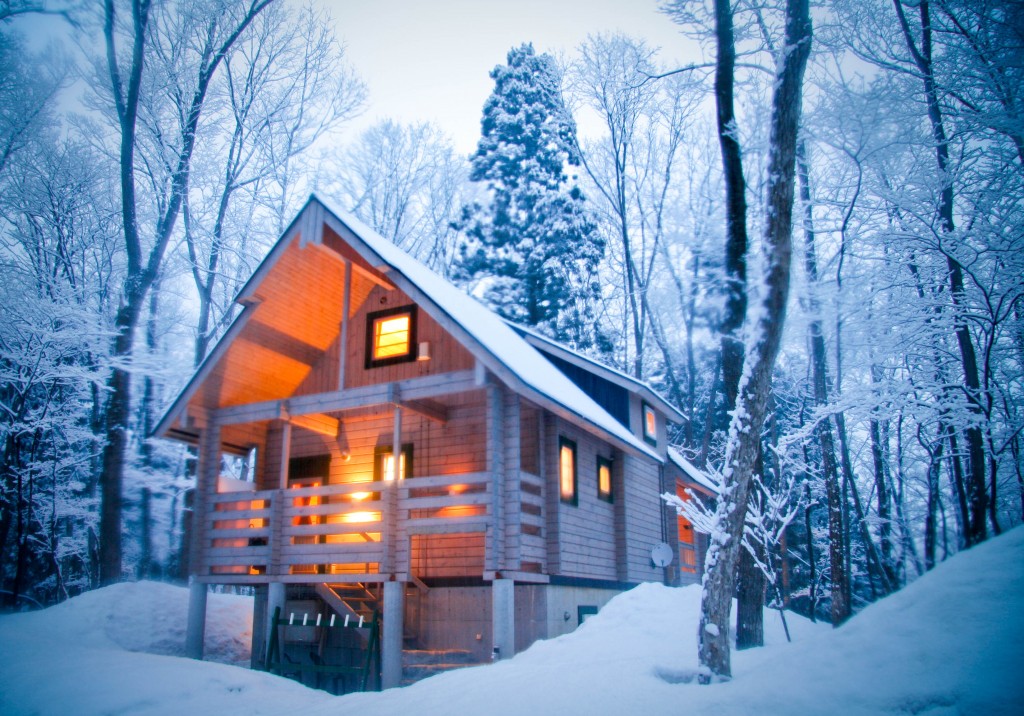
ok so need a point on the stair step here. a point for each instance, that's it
(431, 657)
(412, 673)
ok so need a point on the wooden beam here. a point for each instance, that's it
(317, 423)
(273, 339)
(411, 390)
(428, 409)
(361, 270)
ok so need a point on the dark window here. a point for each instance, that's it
(310, 469)
(567, 471)
(604, 478)
(650, 421)
(611, 397)
(391, 336)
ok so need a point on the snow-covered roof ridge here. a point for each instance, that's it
(691, 470)
(601, 369)
(492, 334)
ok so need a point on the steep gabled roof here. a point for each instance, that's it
(691, 472)
(500, 349)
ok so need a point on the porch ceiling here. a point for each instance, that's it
(295, 318)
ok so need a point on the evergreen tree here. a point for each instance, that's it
(533, 251)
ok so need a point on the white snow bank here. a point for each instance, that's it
(948, 644)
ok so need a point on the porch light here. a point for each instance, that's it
(358, 517)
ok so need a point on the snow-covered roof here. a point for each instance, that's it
(484, 327)
(613, 375)
(691, 471)
(500, 349)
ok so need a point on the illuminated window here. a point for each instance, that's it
(604, 478)
(384, 463)
(391, 336)
(687, 541)
(650, 420)
(567, 471)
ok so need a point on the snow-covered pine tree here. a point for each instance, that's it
(531, 254)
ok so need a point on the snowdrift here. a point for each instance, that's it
(948, 644)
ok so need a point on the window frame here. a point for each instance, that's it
(601, 494)
(378, 461)
(574, 499)
(371, 321)
(645, 408)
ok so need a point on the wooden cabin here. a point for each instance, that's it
(525, 493)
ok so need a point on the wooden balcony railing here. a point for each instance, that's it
(341, 530)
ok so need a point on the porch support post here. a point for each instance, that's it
(286, 450)
(196, 629)
(258, 649)
(503, 619)
(390, 516)
(206, 484)
(346, 306)
(275, 599)
(393, 627)
(495, 552)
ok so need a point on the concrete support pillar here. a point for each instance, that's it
(258, 649)
(196, 628)
(503, 618)
(393, 628)
(275, 599)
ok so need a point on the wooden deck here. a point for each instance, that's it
(342, 533)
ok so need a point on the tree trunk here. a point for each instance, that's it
(930, 534)
(976, 488)
(819, 376)
(750, 601)
(735, 205)
(748, 418)
(142, 271)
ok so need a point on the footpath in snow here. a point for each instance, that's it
(951, 643)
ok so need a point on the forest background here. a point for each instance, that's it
(145, 172)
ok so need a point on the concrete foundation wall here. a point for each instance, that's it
(456, 618)
(562, 601)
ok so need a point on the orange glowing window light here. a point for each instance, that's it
(650, 420)
(391, 336)
(389, 466)
(604, 479)
(567, 471)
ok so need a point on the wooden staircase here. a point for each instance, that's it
(357, 600)
(352, 600)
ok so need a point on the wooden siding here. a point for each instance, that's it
(446, 354)
(644, 512)
(586, 531)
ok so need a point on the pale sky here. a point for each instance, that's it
(429, 60)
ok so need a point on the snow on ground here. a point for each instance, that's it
(951, 643)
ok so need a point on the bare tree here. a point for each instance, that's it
(633, 165)
(285, 84)
(406, 182)
(214, 35)
(762, 349)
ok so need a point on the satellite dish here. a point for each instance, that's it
(661, 555)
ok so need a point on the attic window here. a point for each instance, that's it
(391, 336)
(650, 420)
